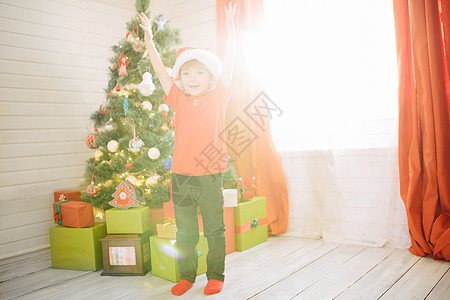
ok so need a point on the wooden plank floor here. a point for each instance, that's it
(281, 268)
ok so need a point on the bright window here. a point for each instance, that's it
(331, 67)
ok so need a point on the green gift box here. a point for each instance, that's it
(77, 248)
(250, 220)
(164, 257)
(135, 220)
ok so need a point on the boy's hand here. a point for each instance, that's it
(147, 27)
(230, 12)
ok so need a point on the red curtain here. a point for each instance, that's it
(253, 151)
(423, 50)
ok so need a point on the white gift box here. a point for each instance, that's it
(230, 197)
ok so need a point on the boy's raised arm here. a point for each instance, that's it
(160, 69)
(230, 46)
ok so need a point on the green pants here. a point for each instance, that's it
(205, 192)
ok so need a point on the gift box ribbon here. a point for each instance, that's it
(250, 224)
(57, 215)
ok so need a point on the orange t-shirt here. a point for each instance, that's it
(200, 147)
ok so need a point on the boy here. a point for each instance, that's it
(198, 96)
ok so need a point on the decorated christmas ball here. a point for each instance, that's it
(110, 125)
(147, 105)
(153, 153)
(90, 140)
(93, 189)
(135, 145)
(163, 108)
(113, 146)
(151, 180)
(128, 166)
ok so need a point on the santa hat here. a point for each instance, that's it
(206, 57)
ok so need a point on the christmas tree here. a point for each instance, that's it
(133, 128)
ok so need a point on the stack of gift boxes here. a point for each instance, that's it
(128, 241)
(75, 241)
(126, 248)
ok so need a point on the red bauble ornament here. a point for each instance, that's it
(128, 166)
(93, 189)
(90, 140)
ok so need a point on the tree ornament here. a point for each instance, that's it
(128, 165)
(136, 144)
(151, 180)
(132, 179)
(161, 21)
(129, 37)
(114, 66)
(117, 90)
(147, 105)
(110, 125)
(105, 107)
(123, 63)
(98, 153)
(137, 46)
(113, 145)
(93, 189)
(153, 153)
(164, 109)
(90, 140)
(125, 105)
(146, 87)
(168, 163)
(124, 196)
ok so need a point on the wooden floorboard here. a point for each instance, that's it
(378, 280)
(419, 281)
(281, 268)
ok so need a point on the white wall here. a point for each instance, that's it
(54, 58)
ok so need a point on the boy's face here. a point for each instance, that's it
(195, 78)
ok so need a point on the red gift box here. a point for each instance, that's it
(67, 195)
(75, 214)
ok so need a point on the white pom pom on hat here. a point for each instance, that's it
(206, 57)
